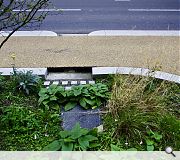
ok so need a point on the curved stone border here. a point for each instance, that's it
(107, 70)
(134, 33)
(135, 71)
(29, 33)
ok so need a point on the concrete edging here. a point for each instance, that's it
(134, 33)
(135, 71)
(29, 33)
(106, 70)
(38, 71)
(95, 33)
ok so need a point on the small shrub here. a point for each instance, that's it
(75, 140)
(26, 81)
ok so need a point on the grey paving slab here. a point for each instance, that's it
(87, 118)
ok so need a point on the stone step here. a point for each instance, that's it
(68, 76)
(68, 82)
(87, 118)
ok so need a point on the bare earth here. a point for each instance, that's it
(146, 52)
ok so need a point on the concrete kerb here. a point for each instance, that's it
(135, 71)
(96, 71)
(38, 71)
(134, 33)
(95, 33)
(29, 33)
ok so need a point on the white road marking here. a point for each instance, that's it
(122, 0)
(154, 10)
(50, 10)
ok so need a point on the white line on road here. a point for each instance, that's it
(49, 10)
(122, 0)
(154, 10)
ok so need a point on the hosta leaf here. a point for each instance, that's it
(92, 102)
(77, 131)
(55, 106)
(64, 134)
(68, 140)
(93, 132)
(54, 146)
(82, 102)
(150, 148)
(132, 149)
(70, 105)
(93, 145)
(115, 148)
(89, 138)
(67, 146)
(84, 144)
(77, 92)
(53, 98)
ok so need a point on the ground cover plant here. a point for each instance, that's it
(23, 124)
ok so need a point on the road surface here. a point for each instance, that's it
(85, 16)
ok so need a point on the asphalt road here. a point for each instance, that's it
(85, 16)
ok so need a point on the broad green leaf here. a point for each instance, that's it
(115, 148)
(70, 105)
(55, 106)
(92, 102)
(132, 149)
(157, 136)
(93, 132)
(77, 131)
(77, 92)
(149, 142)
(93, 145)
(82, 102)
(68, 140)
(67, 146)
(53, 98)
(89, 138)
(54, 146)
(64, 134)
(150, 148)
(84, 144)
(54, 115)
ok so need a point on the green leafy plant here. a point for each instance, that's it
(26, 81)
(76, 139)
(119, 148)
(88, 96)
(153, 140)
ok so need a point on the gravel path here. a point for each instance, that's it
(122, 51)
